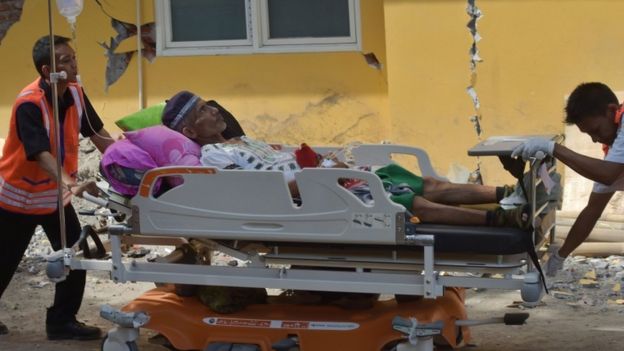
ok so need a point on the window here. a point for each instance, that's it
(212, 27)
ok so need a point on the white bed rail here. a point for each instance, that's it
(244, 205)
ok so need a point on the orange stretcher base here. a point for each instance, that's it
(190, 325)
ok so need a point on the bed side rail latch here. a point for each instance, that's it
(406, 233)
(414, 330)
(419, 239)
(120, 229)
(124, 319)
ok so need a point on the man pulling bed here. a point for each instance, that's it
(193, 134)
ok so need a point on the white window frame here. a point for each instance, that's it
(258, 40)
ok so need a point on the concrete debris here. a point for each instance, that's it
(599, 263)
(590, 275)
(139, 251)
(562, 295)
(586, 281)
(221, 259)
(40, 284)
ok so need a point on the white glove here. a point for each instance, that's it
(555, 262)
(533, 146)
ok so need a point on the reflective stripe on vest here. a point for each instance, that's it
(46, 117)
(31, 200)
(78, 103)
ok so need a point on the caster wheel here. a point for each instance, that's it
(532, 290)
(114, 345)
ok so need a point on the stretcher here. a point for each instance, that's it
(329, 241)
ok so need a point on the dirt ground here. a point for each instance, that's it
(557, 324)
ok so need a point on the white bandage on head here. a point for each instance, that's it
(177, 108)
(180, 116)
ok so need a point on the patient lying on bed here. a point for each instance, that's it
(429, 199)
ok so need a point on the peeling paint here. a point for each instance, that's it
(117, 63)
(10, 13)
(372, 61)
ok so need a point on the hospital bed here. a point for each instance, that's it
(368, 248)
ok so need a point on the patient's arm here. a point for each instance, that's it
(331, 161)
(102, 140)
(340, 164)
(293, 188)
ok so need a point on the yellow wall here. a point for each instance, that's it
(535, 52)
(317, 98)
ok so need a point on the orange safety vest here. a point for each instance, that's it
(618, 121)
(24, 186)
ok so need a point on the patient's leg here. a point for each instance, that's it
(455, 194)
(431, 212)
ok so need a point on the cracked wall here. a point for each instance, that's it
(10, 12)
(335, 119)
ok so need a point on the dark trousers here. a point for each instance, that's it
(16, 230)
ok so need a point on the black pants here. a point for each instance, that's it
(16, 230)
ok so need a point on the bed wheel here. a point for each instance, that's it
(112, 345)
(402, 345)
(532, 289)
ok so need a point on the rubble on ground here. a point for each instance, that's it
(586, 281)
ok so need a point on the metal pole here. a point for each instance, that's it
(139, 56)
(57, 134)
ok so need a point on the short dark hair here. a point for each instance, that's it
(588, 99)
(41, 50)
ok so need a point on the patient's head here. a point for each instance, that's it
(188, 114)
(592, 108)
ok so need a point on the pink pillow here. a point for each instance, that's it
(123, 165)
(166, 146)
